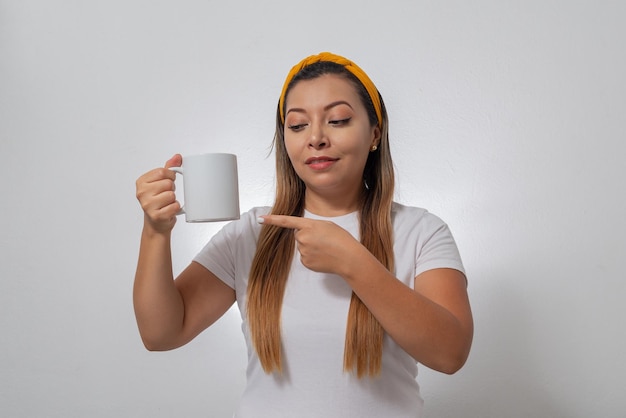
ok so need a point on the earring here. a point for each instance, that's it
(374, 148)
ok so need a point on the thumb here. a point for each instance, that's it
(175, 161)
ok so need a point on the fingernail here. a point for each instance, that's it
(260, 220)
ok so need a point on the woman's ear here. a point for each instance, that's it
(376, 136)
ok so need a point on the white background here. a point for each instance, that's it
(507, 120)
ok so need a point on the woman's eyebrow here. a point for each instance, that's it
(337, 103)
(326, 108)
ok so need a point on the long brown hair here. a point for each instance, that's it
(276, 246)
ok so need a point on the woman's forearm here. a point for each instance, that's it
(159, 307)
(435, 335)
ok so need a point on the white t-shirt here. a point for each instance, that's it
(313, 324)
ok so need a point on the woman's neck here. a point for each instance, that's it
(331, 206)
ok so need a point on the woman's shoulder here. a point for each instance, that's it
(251, 215)
(256, 211)
(404, 215)
(247, 221)
(400, 211)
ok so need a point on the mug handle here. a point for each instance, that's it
(178, 170)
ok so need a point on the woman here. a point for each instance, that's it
(341, 290)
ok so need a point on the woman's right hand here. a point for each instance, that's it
(157, 197)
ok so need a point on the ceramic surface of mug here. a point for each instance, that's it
(210, 186)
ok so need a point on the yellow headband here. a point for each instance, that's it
(348, 65)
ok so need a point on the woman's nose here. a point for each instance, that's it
(318, 137)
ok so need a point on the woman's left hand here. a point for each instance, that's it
(324, 246)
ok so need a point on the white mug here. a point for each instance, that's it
(211, 187)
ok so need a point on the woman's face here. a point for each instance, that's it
(328, 136)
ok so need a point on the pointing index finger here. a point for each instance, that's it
(283, 221)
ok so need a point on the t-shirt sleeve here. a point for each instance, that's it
(229, 253)
(437, 247)
(218, 255)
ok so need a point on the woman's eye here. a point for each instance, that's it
(339, 121)
(297, 127)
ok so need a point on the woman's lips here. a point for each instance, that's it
(320, 163)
